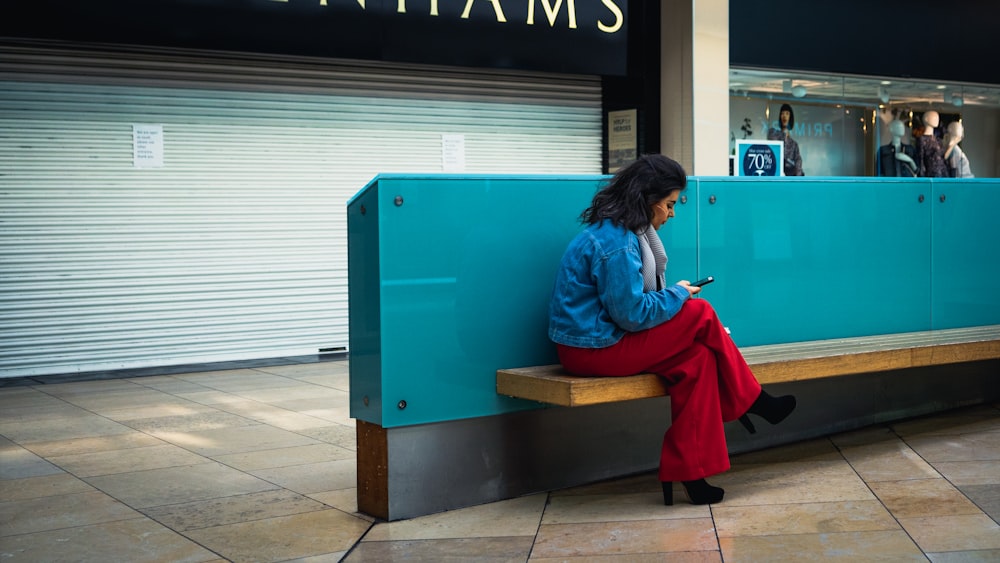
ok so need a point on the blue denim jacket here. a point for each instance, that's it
(598, 294)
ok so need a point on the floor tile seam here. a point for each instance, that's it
(872, 492)
(137, 516)
(91, 409)
(270, 403)
(976, 511)
(163, 444)
(59, 398)
(872, 499)
(234, 495)
(234, 413)
(214, 405)
(446, 538)
(195, 541)
(47, 457)
(625, 521)
(163, 435)
(893, 515)
(987, 550)
(824, 463)
(937, 518)
(538, 527)
(288, 411)
(715, 529)
(51, 389)
(293, 379)
(300, 378)
(89, 478)
(323, 508)
(172, 378)
(26, 444)
(301, 433)
(66, 495)
(286, 467)
(270, 481)
(938, 478)
(898, 528)
(953, 485)
(206, 461)
(361, 538)
(733, 504)
(163, 441)
(280, 448)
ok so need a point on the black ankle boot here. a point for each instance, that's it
(668, 492)
(700, 492)
(770, 408)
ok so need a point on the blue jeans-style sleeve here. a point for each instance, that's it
(619, 286)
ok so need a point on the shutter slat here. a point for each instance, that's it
(236, 248)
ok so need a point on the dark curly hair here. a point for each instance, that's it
(629, 195)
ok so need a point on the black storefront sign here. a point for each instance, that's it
(567, 36)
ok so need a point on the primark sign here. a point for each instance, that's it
(567, 36)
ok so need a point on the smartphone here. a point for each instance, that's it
(702, 282)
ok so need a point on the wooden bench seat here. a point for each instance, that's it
(774, 363)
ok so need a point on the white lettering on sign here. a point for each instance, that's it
(809, 129)
(147, 146)
(553, 12)
(551, 9)
(616, 12)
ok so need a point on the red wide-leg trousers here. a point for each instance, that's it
(709, 381)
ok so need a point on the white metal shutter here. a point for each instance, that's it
(235, 248)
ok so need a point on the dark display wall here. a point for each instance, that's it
(950, 41)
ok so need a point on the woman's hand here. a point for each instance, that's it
(693, 290)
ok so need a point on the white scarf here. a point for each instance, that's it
(654, 260)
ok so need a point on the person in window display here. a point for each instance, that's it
(930, 154)
(793, 158)
(897, 158)
(954, 157)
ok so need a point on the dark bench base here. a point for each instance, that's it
(414, 471)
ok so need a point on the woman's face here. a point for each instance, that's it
(663, 210)
(784, 116)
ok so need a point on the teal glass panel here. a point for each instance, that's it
(965, 275)
(466, 267)
(799, 259)
(450, 276)
(363, 305)
(680, 237)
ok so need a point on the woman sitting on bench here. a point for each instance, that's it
(612, 314)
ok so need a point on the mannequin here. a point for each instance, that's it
(793, 158)
(930, 155)
(897, 158)
(954, 157)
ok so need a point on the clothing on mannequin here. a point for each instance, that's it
(897, 158)
(954, 156)
(793, 158)
(930, 154)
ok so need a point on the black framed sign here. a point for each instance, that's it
(567, 36)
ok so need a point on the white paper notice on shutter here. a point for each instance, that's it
(147, 146)
(453, 152)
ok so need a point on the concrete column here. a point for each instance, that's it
(694, 85)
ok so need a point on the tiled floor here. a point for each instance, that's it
(259, 465)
